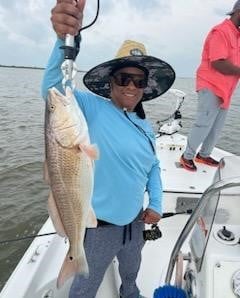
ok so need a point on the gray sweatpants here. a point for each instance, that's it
(208, 125)
(102, 244)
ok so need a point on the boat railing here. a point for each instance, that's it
(209, 192)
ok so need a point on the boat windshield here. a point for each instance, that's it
(220, 208)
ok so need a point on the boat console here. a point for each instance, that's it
(215, 240)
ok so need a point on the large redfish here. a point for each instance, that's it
(69, 171)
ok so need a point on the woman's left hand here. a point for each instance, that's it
(150, 216)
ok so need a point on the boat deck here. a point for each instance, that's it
(174, 177)
(41, 263)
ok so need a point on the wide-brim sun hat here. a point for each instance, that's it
(160, 74)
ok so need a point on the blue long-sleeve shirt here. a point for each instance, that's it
(127, 165)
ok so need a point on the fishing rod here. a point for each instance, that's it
(170, 214)
(2, 242)
(26, 237)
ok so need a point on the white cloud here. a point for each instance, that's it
(173, 30)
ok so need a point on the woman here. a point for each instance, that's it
(128, 165)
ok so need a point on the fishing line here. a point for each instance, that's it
(94, 20)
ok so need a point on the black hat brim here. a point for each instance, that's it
(160, 75)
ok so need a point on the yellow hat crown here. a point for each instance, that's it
(131, 48)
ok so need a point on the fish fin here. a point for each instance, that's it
(91, 219)
(45, 172)
(71, 267)
(91, 150)
(55, 217)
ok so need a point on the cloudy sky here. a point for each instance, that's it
(172, 30)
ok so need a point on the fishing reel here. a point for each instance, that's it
(152, 234)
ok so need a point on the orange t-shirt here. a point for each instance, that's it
(222, 42)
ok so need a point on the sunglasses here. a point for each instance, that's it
(124, 79)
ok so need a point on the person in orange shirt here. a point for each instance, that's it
(216, 79)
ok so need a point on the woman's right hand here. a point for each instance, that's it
(67, 16)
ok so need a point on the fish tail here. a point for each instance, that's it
(71, 267)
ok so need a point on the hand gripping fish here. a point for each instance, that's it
(69, 171)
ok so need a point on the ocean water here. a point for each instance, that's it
(23, 193)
